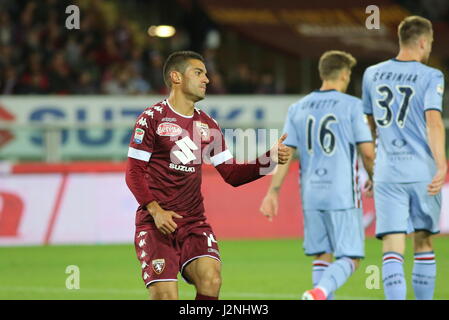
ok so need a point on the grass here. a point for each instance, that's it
(256, 269)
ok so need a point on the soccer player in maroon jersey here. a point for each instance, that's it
(169, 143)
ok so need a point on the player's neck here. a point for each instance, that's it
(406, 54)
(181, 104)
(332, 85)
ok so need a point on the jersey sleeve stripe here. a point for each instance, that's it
(221, 157)
(139, 154)
(363, 141)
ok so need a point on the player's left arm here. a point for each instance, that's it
(372, 126)
(436, 139)
(239, 174)
(433, 104)
(367, 104)
(364, 140)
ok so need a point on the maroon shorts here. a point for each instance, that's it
(163, 256)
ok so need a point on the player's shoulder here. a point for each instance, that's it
(431, 71)
(206, 118)
(296, 105)
(155, 111)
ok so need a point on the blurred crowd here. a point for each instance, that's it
(109, 54)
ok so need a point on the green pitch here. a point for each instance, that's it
(266, 270)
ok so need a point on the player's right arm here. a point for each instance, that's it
(139, 154)
(270, 204)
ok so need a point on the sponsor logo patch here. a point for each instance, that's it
(321, 172)
(138, 135)
(440, 89)
(169, 119)
(398, 143)
(167, 129)
(211, 250)
(158, 265)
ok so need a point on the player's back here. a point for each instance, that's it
(325, 127)
(397, 94)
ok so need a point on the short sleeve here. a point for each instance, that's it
(366, 95)
(360, 126)
(143, 137)
(433, 97)
(290, 129)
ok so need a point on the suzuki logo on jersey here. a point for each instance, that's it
(167, 129)
(185, 155)
(179, 167)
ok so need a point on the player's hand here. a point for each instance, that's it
(164, 221)
(368, 188)
(282, 152)
(269, 206)
(437, 182)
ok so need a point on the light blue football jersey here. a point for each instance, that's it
(325, 127)
(397, 94)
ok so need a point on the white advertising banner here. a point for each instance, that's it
(92, 127)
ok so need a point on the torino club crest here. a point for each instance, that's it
(203, 130)
(158, 265)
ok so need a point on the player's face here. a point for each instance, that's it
(195, 80)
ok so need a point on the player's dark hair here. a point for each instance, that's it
(177, 61)
(332, 62)
(411, 28)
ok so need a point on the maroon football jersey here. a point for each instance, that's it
(173, 147)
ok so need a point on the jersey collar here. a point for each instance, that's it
(323, 91)
(181, 115)
(394, 59)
